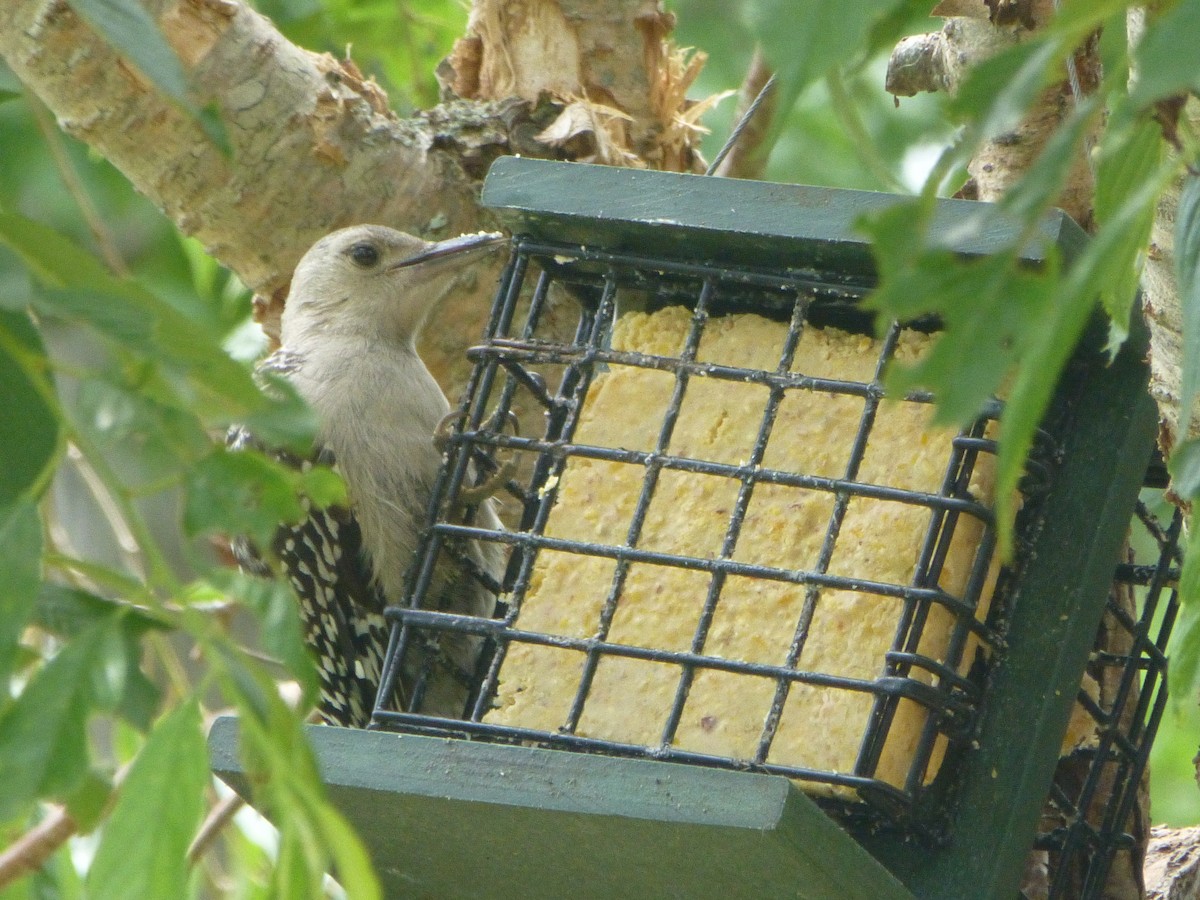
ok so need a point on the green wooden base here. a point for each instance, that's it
(448, 819)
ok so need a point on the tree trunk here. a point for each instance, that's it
(940, 61)
(1173, 864)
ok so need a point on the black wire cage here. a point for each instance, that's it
(624, 443)
(737, 582)
(1092, 821)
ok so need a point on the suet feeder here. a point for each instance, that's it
(753, 636)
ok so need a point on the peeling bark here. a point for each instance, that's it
(605, 57)
(1173, 864)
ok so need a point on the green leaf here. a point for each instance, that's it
(124, 319)
(21, 563)
(1187, 274)
(1184, 647)
(129, 29)
(1074, 21)
(52, 258)
(142, 697)
(1000, 317)
(9, 83)
(351, 861)
(1102, 262)
(249, 688)
(128, 314)
(67, 611)
(239, 493)
(314, 838)
(143, 418)
(57, 879)
(251, 861)
(1126, 160)
(294, 875)
(29, 424)
(283, 420)
(1129, 159)
(991, 308)
(1029, 398)
(1167, 58)
(76, 287)
(802, 41)
(88, 802)
(1042, 183)
(143, 853)
(108, 674)
(119, 682)
(274, 605)
(1184, 466)
(998, 90)
(280, 763)
(323, 486)
(43, 733)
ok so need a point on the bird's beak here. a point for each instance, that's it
(467, 244)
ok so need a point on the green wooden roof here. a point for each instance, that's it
(788, 226)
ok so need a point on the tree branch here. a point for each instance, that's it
(747, 158)
(214, 823)
(313, 145)
(31, 850)
(941, 60)
(1173, 864)
(620, 59)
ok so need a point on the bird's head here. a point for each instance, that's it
(374, 281)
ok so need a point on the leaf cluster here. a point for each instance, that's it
(1009, 329)
(116, 640)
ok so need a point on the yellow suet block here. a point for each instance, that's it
(755, 619)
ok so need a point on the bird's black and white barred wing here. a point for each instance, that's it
(341, 608)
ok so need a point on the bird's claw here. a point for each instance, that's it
(441, 434)
(478, 493)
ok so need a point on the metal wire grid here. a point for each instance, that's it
(517, 363)
(1092, 813)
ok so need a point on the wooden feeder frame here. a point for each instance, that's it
(447, 817)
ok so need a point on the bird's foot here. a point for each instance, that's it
(491, 485)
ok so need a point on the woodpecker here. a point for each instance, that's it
(358, 299)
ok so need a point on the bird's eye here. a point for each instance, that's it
(365, 255)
